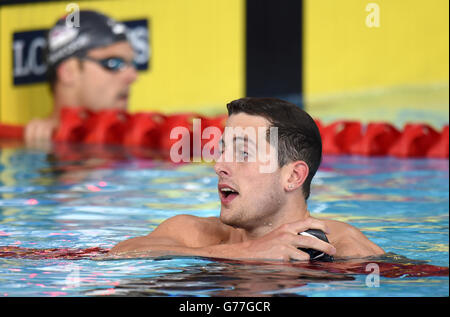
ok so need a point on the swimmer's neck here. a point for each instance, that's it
(288, 214)
(64, 98)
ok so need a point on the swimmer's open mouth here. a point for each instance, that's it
(123, 96)
(227, 193)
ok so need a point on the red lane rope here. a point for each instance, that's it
(41, 254)
(386, 269)
(390, 270)
(152, 130)
(8, 131)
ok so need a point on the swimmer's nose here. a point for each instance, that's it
(221, 169)
(130, 74)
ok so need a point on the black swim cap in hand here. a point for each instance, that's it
(316, 255)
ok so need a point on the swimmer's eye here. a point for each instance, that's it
(112, 64)
(243, 155)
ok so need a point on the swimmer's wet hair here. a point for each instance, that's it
(298, 135)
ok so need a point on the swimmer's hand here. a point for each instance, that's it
(40, 130)
(283, 243)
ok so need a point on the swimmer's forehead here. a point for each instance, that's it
(120, 49)
(246, 120)
(245, 127)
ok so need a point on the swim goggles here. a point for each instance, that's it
(112, 64)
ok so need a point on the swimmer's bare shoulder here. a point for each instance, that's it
(349, 241)
(180, 231)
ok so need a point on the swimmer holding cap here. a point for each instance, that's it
(89, 66)
(263, 214)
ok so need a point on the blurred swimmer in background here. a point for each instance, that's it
(90, 66)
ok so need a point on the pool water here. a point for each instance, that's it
(95, 201)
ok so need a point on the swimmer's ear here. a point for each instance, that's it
(295, 175)
(68, 72)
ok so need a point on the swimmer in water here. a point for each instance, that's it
(262, 211)
(89, 66)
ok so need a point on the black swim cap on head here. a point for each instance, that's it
(95, 30)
